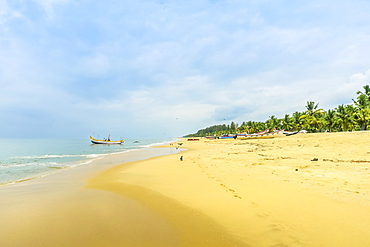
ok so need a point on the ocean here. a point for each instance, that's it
(24, 159)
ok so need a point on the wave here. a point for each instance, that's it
(57, 156)
(29, 164)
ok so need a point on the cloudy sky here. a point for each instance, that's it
(166, 68)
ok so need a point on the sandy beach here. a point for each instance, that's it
(301, 190)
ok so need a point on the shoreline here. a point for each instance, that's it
(87, 168)
(20, 163)
(61, 166)
(301, 190)
(57, 210)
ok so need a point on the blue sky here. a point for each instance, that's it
(161, 68)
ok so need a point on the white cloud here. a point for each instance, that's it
(50, 5)
(360, 78)
(170, 100)
(177, 66)
(7, 13)
(95, 65)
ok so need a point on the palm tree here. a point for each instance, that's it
(312, 117)
(273, 123)
(366, 91)
(243, 128)
(330, 120)
(345, 117)
(297, 122)
(254, 127)
(287, 123)
(362, 114)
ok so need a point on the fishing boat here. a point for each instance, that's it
(254, 134)
(260, 135)
(289, 133)
(107, 141)
(229, 136)
(211, 137)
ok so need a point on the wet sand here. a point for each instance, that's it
(301, 190)
(58, 210)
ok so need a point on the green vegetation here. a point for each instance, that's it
(351, 117)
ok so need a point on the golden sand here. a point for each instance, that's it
(301, 190)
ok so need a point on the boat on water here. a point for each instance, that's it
(107, 141)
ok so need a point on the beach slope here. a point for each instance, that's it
(301, 190)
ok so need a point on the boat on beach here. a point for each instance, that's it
(229, 136)
(107, 141)
(254, 134)
(289, 133)
(211, 137)
(260, 135)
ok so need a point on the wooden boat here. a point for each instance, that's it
(229, 136)
(211, 137)
(289, 133)
(96, 141)
(260, 135)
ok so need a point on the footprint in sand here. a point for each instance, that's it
(277, 227)
(231, 190)
(264, 214)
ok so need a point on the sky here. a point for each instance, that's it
(167, 68)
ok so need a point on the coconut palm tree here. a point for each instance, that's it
(366, 92)
(312, 117)
(345, 117)
(362, 114)
(273, 123)
(243, 128)
(330, 120)
(253, 127)
(297, 122)
(287, 123)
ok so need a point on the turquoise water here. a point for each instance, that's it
(22, 159)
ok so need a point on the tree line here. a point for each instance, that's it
(351, 117)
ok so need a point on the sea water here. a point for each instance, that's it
(23, 159)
